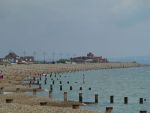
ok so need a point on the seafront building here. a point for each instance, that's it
(89, 58)
(14, 58)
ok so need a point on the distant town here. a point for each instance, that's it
(13, 58)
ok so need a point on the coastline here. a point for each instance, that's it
(15, 74)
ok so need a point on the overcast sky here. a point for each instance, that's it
(75, 27)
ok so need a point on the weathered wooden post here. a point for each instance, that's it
(143, 111)
(8, 100)
(45, 81)
(70, 87)
(96, 98)
(80, 98)
(75, 106)
(43, 103)
(53, 82)
(80, 88)
(65, 96)
(109, 109)
(125, 100)
(141, 101)
(38, 81)
(51, 87)
(111, 99)
(60, 87)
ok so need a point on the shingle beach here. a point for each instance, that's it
(22, 103)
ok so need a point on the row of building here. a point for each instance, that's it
(14, 58)
(90, 58)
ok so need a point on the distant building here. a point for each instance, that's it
(90, 55)
(90, 58)
(14, 58)
(26, 59)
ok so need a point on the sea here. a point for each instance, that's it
(133, 83)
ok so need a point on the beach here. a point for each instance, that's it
(15, 74)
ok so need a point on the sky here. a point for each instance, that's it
(65, 28)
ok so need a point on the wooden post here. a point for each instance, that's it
(43, 103)
(75, 106)
(70, 87)
(53, 82)
(111, 99)
(80, 88)
(141, 101)
(109, 109)
(51, 87)
(125, 100)
(80, 98)
(38, 81)
(60, 87)
(96, 98)
(65, 96)
(45, 81)
(143, 111)
(9, 100)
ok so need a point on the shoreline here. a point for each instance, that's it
(15, 74)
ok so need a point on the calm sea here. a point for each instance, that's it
(133, 83)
